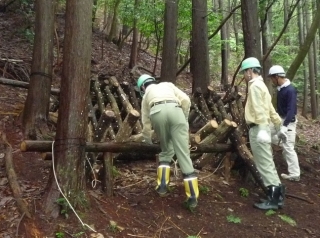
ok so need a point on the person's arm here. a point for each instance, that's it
(292, 102)
(146, 130)
(184, 100)
(257, 102)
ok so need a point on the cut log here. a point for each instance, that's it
(224, 128)
(201, 103)
(129, 90)
(99, 96)
(117, 147)
(206, 129)
(125, 102)
(104, 122)
(113, 104)
(107, 181)
(126, 128)
(20, 84)
(12, 177)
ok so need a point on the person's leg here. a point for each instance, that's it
(160, 125)
(290, 154)
(262, 155)
(179, 130)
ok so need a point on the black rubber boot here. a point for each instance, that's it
(163, 178)
(281, 198)
(192, 190)
(274, 193)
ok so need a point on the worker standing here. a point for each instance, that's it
(259, 112)
(165, 108)
(287, 109)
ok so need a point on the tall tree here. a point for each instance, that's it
(169, 59)
(303, 50)
(36, 108)
(134, 45)
(251, 28)
(199, 64)
(69, 150)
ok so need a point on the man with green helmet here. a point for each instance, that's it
(259, 112)
(165, 108)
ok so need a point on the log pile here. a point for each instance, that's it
(217, 127)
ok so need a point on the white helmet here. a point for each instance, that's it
(277, 70)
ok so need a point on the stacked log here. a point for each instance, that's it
(115, 126)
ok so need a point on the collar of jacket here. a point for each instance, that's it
(255, 79)
(286, 84)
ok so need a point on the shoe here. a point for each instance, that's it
(163, 179)
(281, 197)
(290, 177)
(192, 190)
(274, 193)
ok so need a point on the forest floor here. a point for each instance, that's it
(225, 207)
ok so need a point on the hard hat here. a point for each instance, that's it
(278, 70)
(142, 80)
(249, 63)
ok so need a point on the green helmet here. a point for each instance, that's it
(142, 80)
(250, 63)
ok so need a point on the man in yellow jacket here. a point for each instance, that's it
(259, 112)
(165, 108)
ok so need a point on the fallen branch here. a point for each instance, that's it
(12, 178)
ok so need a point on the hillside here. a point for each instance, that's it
(136, 210)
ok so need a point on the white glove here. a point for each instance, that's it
(263, 135)
(282, 134)
(147, 141)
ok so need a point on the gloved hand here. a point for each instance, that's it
(263, 135)
(282, 134)
(147, 141)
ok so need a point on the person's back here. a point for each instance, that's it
(165, 108)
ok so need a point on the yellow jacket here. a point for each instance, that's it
(259, 109)
(160, 92)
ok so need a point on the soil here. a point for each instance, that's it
(225, 207)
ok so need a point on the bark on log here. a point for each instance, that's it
(207, 129)
(99, 96)
(20, 84)
(129, 90)
(104, 122)
(117, 147)
(247, 157)
(126, 128)
(202, 105)
(113, 104)
(12, 177)
(224, 128)
(125, 102)
(107, 181)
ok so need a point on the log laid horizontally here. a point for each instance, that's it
(120, 147)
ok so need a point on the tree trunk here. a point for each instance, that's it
(169, 59)
(134, 45)
(199, 64)
(69, 150)
(36, 111)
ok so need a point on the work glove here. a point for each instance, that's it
(282, 134)
(263, 135)
(147, 140)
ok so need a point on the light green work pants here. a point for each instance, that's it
(263, 159)
(172, 129)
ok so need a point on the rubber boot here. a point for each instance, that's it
(163, 178)
(274, 193)
(192, 190)
(281, 198)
